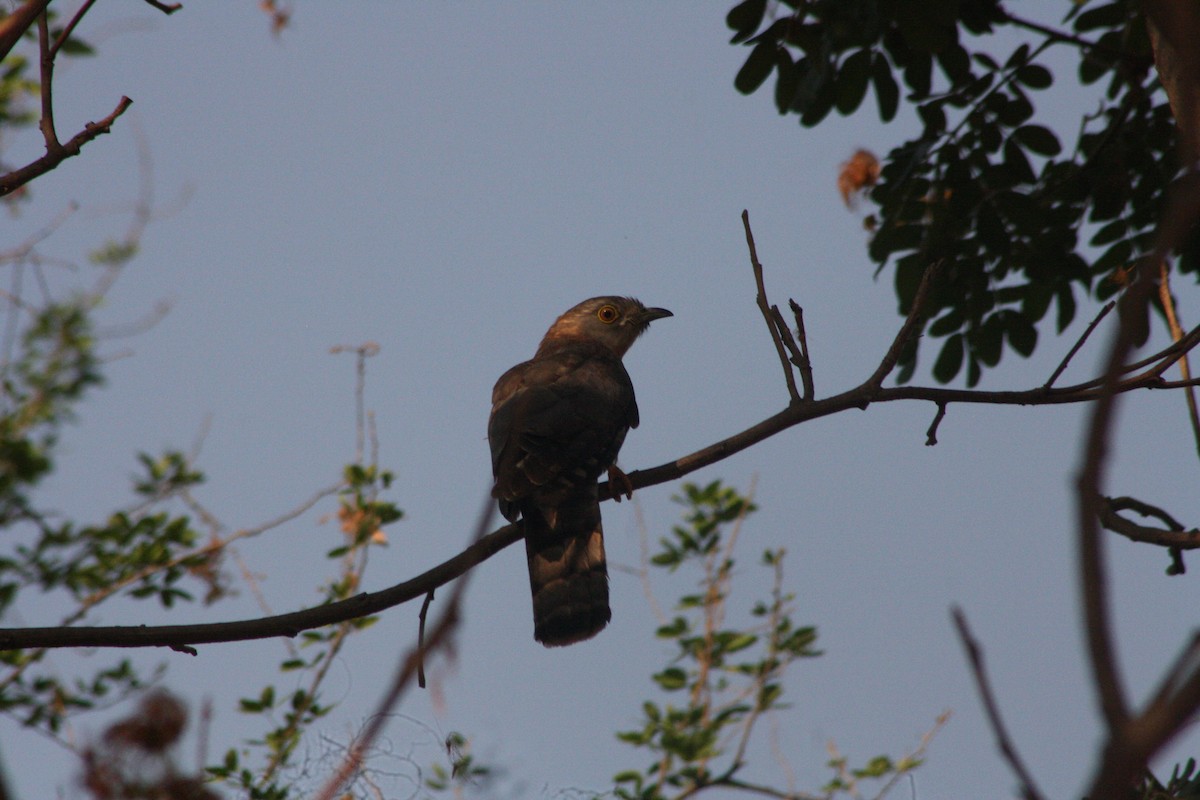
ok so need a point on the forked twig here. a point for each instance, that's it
(805, 365)
(765, 308)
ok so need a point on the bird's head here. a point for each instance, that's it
(615, 322)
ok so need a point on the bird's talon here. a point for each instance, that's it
(620, 483)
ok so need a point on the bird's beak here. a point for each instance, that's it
(651, 314)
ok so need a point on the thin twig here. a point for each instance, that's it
(1185, 369)
(19, 177)
(1029, 788)
(70, 28)
(912, 323)
(440, 637)
(421, 638)
(1109, 306)
(19, 20)
(1174, 536)
(795, 354)
(806, 373)
(931, 434)
(765, 308)
(166, 8)
(46, 62)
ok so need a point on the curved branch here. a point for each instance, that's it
(1173, 535)
(181, 637)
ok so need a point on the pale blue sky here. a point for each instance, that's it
(444, 179)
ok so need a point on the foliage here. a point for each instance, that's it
(988, 186)
(723, 678)
(289, 716)
(1184, 784)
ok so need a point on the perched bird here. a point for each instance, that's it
(557, 423)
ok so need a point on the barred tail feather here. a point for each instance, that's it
(568, 574)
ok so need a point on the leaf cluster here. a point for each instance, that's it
(987, 187)
(722, 678)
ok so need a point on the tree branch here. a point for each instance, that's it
(13, 27)
(290, 624)
(1173, 536)
(362, 605)
(19, 177)
(765, 308)
(1029, 788)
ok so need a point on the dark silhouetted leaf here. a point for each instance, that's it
(918, 74)
(949, 361)
(1110, 233)
(1039, 139)
(852, 82)
(744, 18)
(756, 69)
(1017, 163)
(987, 341)
(1035, 76)
(1105, 16)
(786, 80)
(955, 63)
(887, 93)
(1022, 336)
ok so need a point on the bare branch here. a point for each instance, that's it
(19, 177)
(13, 27)
(931, 434)
(1176, 329)
(912, 323)
(46, 62)
(1173, 536)
(1132, 741)
(421, 638)
(1109, 306)
(70, 28)
(166, 8)
(805, 365)
(290, 624)
(1029, 788)
(765, 308)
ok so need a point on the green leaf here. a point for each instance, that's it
(1109, 15)
(671, 679)
(1021, 334)
(756, 69)
(744, 19)
(887, 93)
(851, 84)
(1110, 233)
(987, 341)
(1039, 139)
(1035, 76)
(949, 360)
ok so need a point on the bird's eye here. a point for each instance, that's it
(607, 314)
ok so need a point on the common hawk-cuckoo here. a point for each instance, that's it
(557, 423)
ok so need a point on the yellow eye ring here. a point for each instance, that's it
(607, 314)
